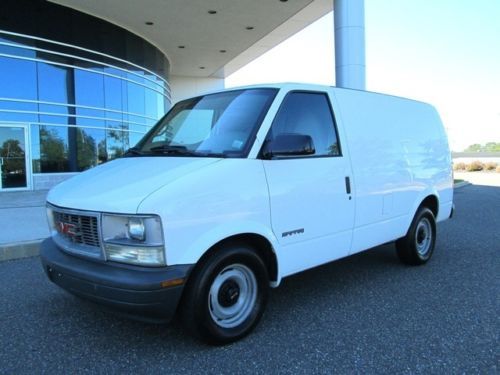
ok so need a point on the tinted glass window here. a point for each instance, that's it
(91, 148)
(53, 83)
(83, 108)
(89, 91)
(35, 148)
(17, 50)
(307, 114)
(53, 149)
(135, 98)
(53, 87)
(16, 78)
(89, 88)
(112, 92)
(116, 143)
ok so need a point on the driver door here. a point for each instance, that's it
(312, 210)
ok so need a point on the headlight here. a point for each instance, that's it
(135, 239)
(136, 229)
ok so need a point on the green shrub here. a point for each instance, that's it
(490, 166)
(474, 166)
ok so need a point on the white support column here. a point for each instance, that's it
(349, 22)
(186, 87)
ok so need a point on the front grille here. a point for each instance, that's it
(78, 229)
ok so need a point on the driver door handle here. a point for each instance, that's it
(348, 185)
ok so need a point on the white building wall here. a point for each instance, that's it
(185, 87)
(45, 181)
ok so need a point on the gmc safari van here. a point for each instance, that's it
(232, 191)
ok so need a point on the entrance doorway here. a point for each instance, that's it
(14, 158)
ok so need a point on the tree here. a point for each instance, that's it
(488, 147)
(492, 147)
(116, 142)
(87, 150)
(476, 147)
(53, 151)
(12, 170)
(11, 148)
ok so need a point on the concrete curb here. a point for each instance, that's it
(19, 250)
(461, 184)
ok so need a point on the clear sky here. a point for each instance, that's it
(445, 52)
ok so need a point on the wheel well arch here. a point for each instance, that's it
(431, 202)
(261, 245)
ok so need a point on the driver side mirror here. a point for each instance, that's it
(288, 144)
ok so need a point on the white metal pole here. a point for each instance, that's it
(349, 22)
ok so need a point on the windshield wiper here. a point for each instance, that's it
(211, 154)
(179, 150)
(173, 150)
(133, 151)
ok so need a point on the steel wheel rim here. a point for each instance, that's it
(232, 296)
(423, 237)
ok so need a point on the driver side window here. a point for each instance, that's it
(307, 113)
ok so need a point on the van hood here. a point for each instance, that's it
(121, 185)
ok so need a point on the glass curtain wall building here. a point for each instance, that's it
(75, 91)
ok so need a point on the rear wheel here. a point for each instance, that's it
(418, 245)
(226, 296)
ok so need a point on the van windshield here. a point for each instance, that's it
(216, 125)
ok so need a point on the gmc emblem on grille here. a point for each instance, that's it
(70, 230)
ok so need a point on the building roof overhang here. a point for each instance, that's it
(201, 43)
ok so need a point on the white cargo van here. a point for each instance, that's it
(233, 191)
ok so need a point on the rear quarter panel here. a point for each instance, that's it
(399, 154)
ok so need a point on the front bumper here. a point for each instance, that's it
(133, 290)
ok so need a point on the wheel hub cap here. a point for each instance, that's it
(423, 237)
(232, 296)
(228, 293)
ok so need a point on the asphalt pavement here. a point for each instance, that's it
(363, 314)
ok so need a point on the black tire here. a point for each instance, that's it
(232, 280)
(417, 246)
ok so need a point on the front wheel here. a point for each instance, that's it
(418, 245)
(226, 296)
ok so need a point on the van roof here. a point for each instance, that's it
(302, 86)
